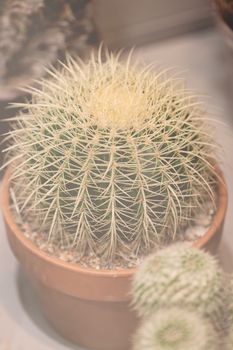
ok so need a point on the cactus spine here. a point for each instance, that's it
(114, 158)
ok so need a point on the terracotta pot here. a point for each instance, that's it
(87, 306)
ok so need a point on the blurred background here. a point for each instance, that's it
(193, 36)
(133, 22)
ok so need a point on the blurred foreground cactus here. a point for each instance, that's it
(111, 157)
(182, 294)
(185, 276)
(176, 329)
(35, 34)
(228, 341)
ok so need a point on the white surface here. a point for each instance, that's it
(201, 55)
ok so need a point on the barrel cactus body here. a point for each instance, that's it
(113, 157)
(180, 275)
(176, 329)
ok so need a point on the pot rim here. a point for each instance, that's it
(123, 272)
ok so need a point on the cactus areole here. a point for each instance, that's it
(110, 159)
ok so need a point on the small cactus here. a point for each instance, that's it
(179, 275)
(228, 339)
(229, 304)
(176, 329)
(111, 157)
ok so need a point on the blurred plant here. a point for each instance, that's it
(176, 329)
(229, 298)
(35, 34)
(225, 8)
(228, 340)
(184, 278)
(180, 275)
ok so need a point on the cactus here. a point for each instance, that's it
(228, 339)
(180, 275)
(230, 295)
(229, 304)
(111, 157)
(176, 329)
(35, 33)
